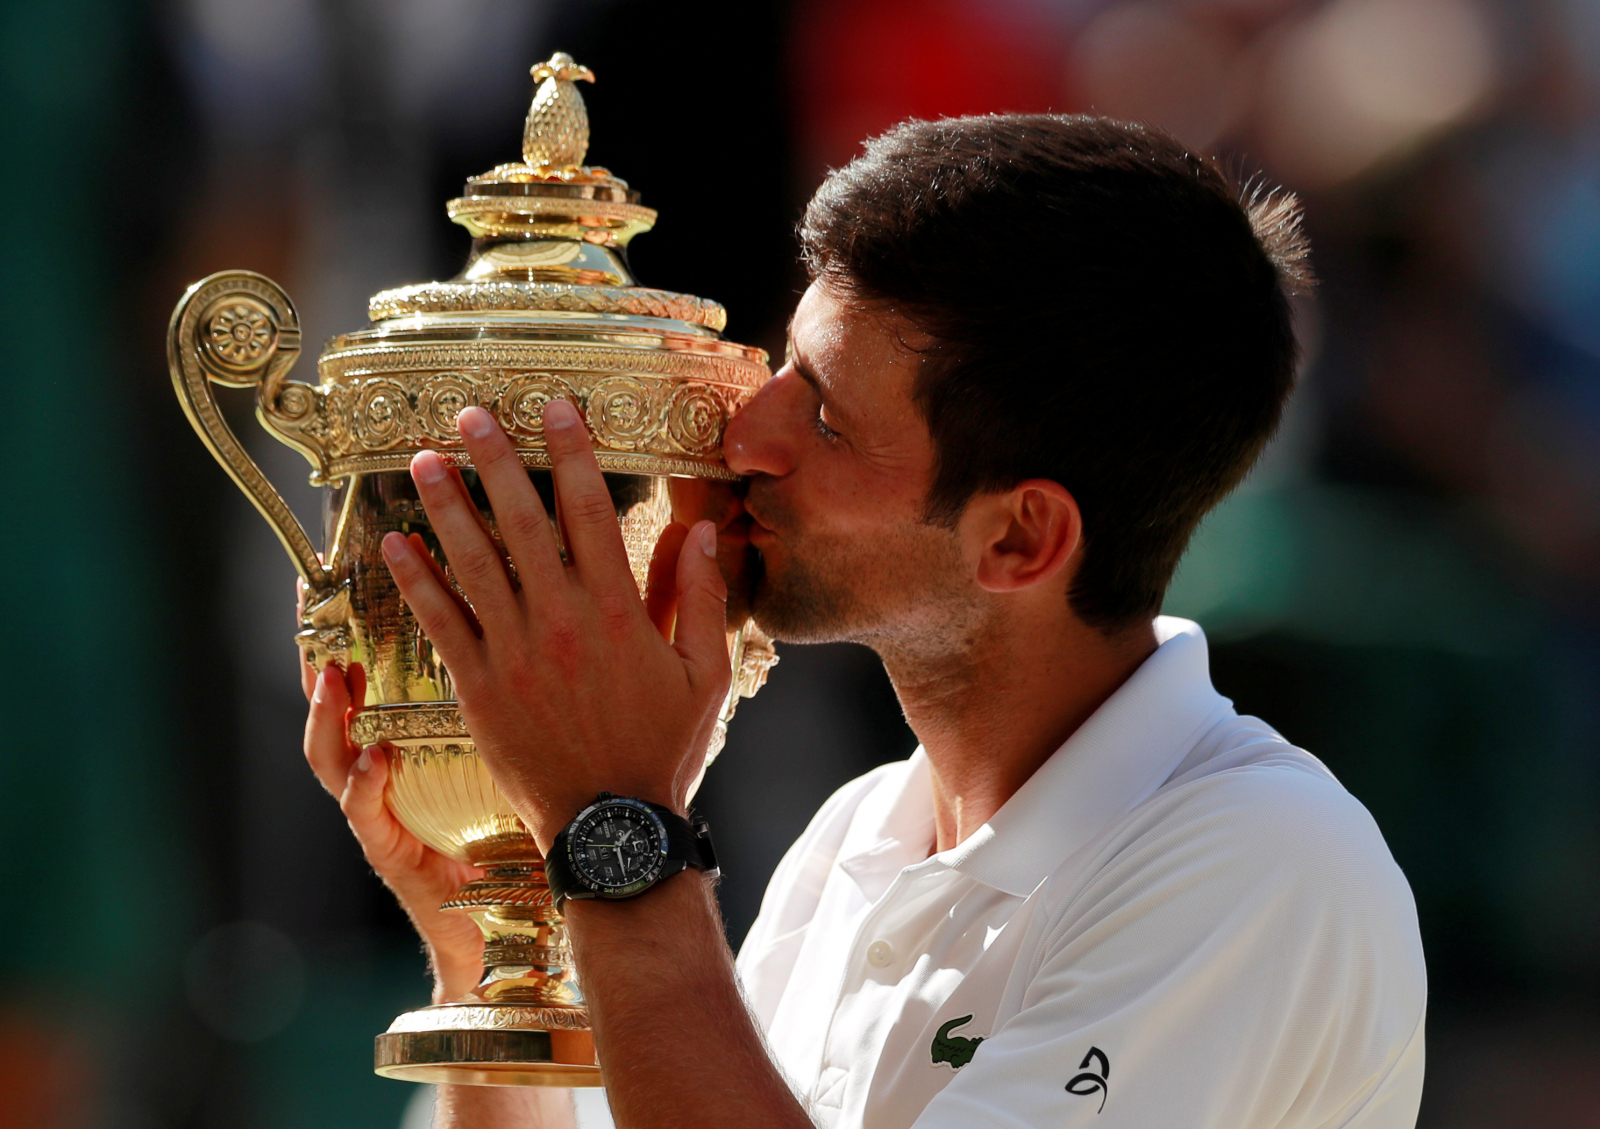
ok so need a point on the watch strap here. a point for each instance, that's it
(689, 840)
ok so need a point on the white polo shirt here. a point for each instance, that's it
(1179, 921)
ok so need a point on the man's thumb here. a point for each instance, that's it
(701, 636)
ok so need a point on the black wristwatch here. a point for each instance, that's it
(619, 847)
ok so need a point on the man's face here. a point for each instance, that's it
(839, 462)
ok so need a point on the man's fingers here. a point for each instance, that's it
(327, 749)
(361, 800)
(661, 584)
(518, 510)
(432, 603)
(701, 637)
(420, 547)
(356, 679)
(594, 539)
(472, 556)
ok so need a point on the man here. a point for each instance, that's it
(1034, 352)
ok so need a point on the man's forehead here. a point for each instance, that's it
(859, 359)
(831, 325)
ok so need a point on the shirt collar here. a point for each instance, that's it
(1125, 751)
(893, 828)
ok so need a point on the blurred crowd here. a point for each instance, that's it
(1409, 585)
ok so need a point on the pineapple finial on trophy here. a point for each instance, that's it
(556, 137)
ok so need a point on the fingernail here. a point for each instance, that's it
(322, 684)
(708, 540)
(428, 467)
(559, 414)
(475, 422)
(364, 761)
(395, 547)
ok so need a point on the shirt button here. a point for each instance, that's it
(879, 954)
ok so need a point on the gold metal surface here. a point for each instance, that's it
(656, 400)
(568, 298)
(545, 308)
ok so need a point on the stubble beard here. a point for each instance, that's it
(802, 607)
(903, 597)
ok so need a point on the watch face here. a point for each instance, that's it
(617, 847)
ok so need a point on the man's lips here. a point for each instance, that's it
(755, 518)
(736, 531)
(733, 512)
(744, 528)
(753, 527)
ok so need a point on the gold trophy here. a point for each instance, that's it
(545, 309)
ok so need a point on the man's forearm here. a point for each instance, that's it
(675, 1040)
(503, 1107)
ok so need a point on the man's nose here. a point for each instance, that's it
(760, 438)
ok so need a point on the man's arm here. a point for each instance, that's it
(677, 1044)
(570, 687)
(421, 879)
(502, 1107)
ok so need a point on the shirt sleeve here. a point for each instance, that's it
(1259, 968)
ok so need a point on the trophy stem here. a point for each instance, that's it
(527, 956)
(524, 1024)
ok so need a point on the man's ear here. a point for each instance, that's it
(1029, 534)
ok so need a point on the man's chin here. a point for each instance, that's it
(796, 617)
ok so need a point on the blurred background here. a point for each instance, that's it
(1409, 586)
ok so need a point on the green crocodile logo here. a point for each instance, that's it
(957, 1050)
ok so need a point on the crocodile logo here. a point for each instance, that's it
(957, 1050)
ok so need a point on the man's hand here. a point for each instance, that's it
(571, 685)
(566, 679)
(420, 877)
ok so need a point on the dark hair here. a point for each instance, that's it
(1108, 311)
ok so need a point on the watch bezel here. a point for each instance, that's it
(585, 820)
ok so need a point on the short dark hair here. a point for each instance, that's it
(1108, 309)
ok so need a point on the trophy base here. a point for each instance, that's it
(489, 1045)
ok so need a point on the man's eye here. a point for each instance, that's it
(823, 429)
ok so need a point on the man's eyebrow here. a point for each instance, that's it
(803, 371)
(791, 356)
(805, 374)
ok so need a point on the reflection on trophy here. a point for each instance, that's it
(545, 309)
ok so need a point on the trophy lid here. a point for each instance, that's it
(545, 308)
(552, 191)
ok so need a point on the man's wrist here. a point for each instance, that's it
(623, 924)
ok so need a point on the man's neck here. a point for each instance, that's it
(990, 714)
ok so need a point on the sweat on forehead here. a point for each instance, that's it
(847, 319)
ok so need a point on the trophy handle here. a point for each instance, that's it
(239, 329)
